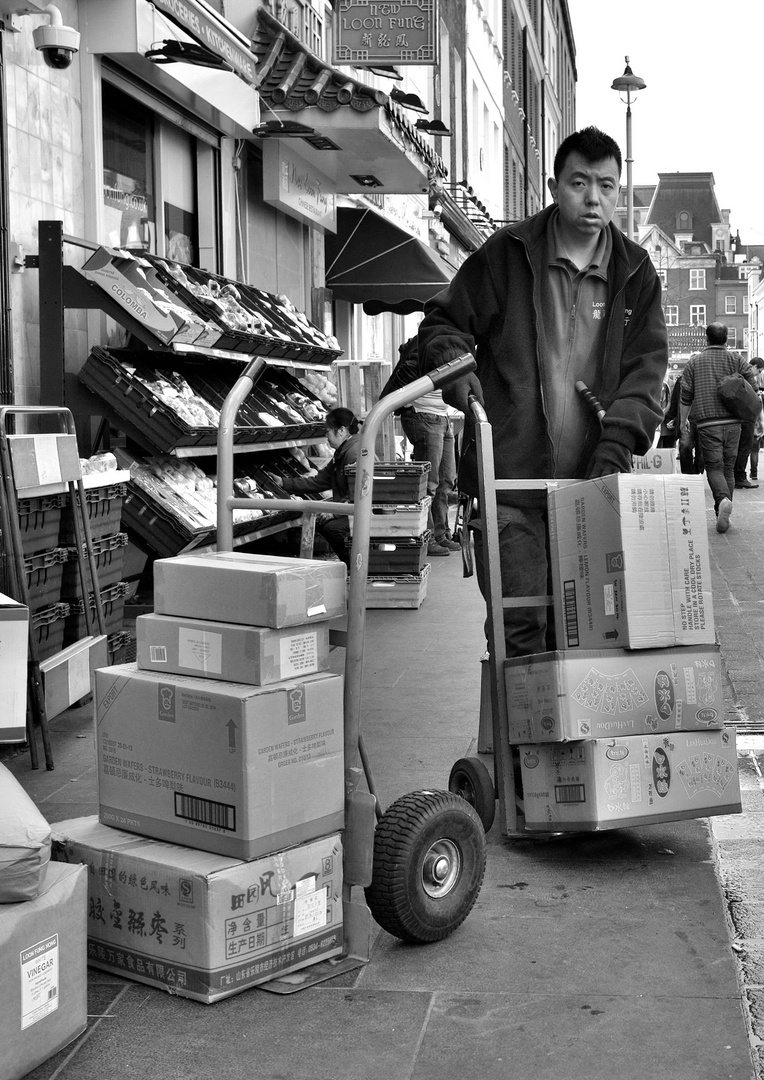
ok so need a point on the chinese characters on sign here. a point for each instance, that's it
(403, 32)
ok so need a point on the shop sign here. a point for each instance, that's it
(368, 33)
(292, 184)
(405, 213)
(211, 34)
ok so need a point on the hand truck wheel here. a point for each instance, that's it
(471, 780)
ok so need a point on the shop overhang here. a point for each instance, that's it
(371, 261)
(219, 82)
(354, 133)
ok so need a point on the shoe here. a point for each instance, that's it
(447, 542)
(754, 476)
(745, 484)
(723, 515)
(437, 549)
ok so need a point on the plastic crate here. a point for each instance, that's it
(44, 573)
(406, 591)
(104, 513)
(118, 646)
(48, 626)
(396, 482)
(397, 556)
(113, 603)
(109, 552)
(40, 522)
(389, 519)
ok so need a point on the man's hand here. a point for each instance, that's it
(609, 457)
(457, 392)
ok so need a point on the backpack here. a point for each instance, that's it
(739, 397)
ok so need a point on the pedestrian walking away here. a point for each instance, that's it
(718, 428)
(342, 435)
(510, 305)
(427, 426)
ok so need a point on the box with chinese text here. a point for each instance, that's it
(200, 925)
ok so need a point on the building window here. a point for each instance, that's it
(732, 337)
(697, 279)
(730, 305)
(745, 305)
(745, 338)
(663, 275)
(698, 314)
(672, 315)
(684, 221)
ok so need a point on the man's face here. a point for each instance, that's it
(586, 194)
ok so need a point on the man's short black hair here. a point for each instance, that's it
(592, 144)
(716, 333)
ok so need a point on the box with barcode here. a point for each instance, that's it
(208, 926)
(637, 780)
(227, 768)
(229, 651)
(630, 563)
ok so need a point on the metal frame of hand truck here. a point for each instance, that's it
(362, 807)
(94, 643)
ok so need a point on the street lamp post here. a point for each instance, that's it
(628, 84)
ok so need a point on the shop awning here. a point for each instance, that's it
(371, 261)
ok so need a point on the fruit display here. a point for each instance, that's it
(322, 386)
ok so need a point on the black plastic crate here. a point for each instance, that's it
(399, 555)
(396, 482)
(119, 646)
(44, 573)
(163, 532)
(48, 626)
(109, 552)
(104, 513)
(40, 522)
(113, 603)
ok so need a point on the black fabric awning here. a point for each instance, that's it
(371, 261)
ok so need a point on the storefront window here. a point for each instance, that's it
(128, 172)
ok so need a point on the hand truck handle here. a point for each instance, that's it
(454, 369)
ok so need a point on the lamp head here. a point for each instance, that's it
(628, 82)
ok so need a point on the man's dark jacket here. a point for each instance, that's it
(493, 309)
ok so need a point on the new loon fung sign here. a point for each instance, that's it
(368, 33)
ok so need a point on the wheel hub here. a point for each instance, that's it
(441, 868)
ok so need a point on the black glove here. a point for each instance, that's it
(609, 457)
(456, 393)
(286, 485)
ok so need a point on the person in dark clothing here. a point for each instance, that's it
(690, 456)
(745, 449)
(560, 297)
(342, 435)
(758, 363)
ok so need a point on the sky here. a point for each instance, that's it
(703, 107)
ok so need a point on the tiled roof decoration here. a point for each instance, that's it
(291, 77)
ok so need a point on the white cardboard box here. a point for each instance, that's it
(592, 694)
(43, 957)
(258, 655)
(630, 565)
(228, 768)
(199, 925)
(636, 780)
(14, 643)
(255, 590)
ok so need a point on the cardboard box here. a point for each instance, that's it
(559, 696)
(198, 925)
(257, 655)
(14, 643)
(238, 770)
(659, 460)
(255, 590)
(630, 565)
(43, 957)
(637, 780)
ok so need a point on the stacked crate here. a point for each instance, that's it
(222, 748)
(44, 560)
(624, 725)
(398, 570)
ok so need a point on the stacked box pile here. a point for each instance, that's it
(398, 570)
(222, 749)
(624, 725)
(43, 908)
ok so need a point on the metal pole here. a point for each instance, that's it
(629, 185)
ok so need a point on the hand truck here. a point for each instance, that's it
(421, 862)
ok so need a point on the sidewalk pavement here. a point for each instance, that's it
(627, 953)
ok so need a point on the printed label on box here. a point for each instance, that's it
(298, 654)
(200, 650)
(310, 912)
(39, 981)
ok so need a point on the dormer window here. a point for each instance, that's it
(684, 221)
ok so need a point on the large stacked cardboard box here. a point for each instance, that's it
(624, 724)
(220, 779)
(398, 571)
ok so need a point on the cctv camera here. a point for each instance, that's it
(58, 45)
